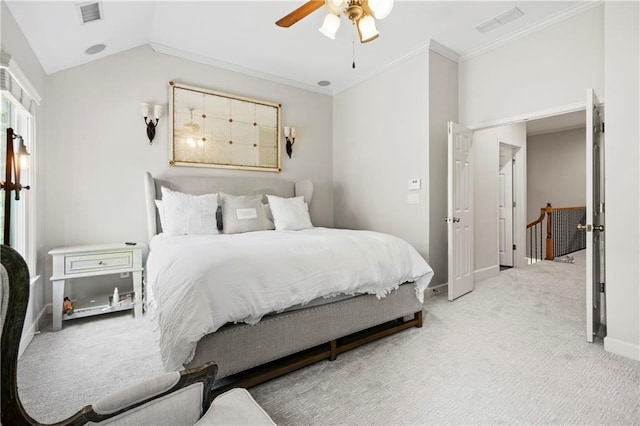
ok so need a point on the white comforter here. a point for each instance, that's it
(198, 283)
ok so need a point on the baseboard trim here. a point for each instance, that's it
(486, 273)
(620, 347)
(31, 332)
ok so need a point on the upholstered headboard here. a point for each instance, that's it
(198, 185)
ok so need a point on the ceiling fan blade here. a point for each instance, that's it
(299, 13)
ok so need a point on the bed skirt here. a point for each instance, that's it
(240, 347)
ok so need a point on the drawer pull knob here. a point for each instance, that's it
(101, 263)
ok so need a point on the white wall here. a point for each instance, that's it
(622, 177)
(552, 68)
(14, 43)
(381, 135)
(542, 70)
(486, 151)
(556, 171)
(99, 150)
(443, 107)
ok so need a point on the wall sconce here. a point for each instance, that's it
(151, 126)
(14, 164)
(290, 137)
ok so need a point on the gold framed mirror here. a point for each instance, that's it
(214, 129)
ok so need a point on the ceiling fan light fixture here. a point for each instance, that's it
(330, 25)
(335, 6)
(367, 30)
(380, 8)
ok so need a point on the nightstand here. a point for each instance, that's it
(93, 261)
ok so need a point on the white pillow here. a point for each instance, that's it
(160, 208)
(188, 214)
(289, 214)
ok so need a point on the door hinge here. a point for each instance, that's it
(513, 161)
(514, 246)
(514, 204)
(602, 127)
(601, 287)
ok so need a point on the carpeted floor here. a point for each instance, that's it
(511, 352)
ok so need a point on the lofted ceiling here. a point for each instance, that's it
(242, 35)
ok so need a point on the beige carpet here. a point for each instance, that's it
(511, 352)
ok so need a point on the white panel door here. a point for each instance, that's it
(505, 207)
(594, 226)
(460, 210)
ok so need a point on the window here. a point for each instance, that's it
(14, 115)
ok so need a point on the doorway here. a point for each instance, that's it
(506, 205)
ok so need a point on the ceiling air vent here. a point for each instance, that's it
(497, 21)
(89, 12)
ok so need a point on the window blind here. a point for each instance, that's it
(9, 84)
(14, 82)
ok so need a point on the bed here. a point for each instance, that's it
(263, 303)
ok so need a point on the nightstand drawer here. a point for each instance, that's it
(97, 262)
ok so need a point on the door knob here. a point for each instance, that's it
(456, 219)
(598, 228)
(452, 219)
(584, 227)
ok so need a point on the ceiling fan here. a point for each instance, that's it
(361, 13)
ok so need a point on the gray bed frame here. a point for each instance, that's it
(280, 343)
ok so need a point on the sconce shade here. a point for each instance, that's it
(367, 30)
(381, 8)
(144, 108)
(157, 111)
(330, 26)
(23, 155)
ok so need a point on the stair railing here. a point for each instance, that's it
(562, 236)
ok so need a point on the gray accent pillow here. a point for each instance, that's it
(243, 213)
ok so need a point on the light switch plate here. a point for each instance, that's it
(414, 184)
(413, 198)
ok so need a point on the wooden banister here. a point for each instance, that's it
(549, 212)
(540, 219)
(549, 255)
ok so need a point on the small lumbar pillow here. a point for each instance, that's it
(243, 213)
(188, 214)
(289, 214)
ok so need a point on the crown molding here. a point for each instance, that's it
(580, 7)
(167, 50)
(371, 74)
(430, 45)
(443, 50)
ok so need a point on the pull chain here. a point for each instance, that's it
(353, 49)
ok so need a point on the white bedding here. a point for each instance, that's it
(198, 283)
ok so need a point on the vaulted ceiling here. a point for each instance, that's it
(242, 35)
